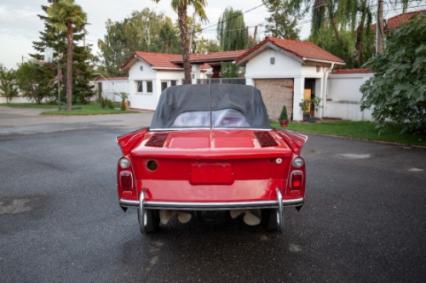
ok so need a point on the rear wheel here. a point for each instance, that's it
(149, 221)
(271, 220)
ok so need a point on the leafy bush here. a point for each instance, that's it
(305, 105)
(8, 87)
(106, 103)
(36, 81)
(397, 92)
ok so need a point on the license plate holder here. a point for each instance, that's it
(215, 173)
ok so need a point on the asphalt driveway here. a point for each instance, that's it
(364, 219)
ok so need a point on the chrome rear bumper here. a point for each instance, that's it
(211, 205)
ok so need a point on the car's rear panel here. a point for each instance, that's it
(211, 166)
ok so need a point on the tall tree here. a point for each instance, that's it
(82, 71)
(8, 87)
(343, 26)
(181, 7)
(282, 21)
(232, 32)
(66, 16)
(143, 30)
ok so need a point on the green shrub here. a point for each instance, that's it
(397, 92)
(106, 103)
(109, 104)
(284, 115)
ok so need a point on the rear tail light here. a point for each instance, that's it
(126, 181)
(296, 180)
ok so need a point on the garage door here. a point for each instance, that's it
(276, 93)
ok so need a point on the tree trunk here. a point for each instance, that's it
(379, 28)
(184, 42)
(359, 43)
(70, 34)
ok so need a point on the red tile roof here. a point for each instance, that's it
(174, 61)
(396, 21)
(220, 56)
(305, 50)
(160, 60)
(352, 71)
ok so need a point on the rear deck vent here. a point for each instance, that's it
(157, 140)
(265, 139)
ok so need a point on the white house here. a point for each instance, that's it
(288, 71)
(285, 71)
(150, 73)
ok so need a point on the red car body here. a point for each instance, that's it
(211, 169)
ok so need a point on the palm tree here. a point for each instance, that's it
(181, 7)
(67, 17)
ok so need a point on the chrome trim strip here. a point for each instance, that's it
(280, 211)
(141, 212)
(207, 129)
(211, 205)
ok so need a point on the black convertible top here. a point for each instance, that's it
(214, 99)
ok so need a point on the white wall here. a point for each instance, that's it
(18, 99)
(142, 71)
(112, 88)
(344, 97)
(259, 67)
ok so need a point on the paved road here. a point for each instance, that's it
(364, 220)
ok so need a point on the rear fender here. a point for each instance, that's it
(294, 140)
(128, 141)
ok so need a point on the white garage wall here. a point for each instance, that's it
(259, 67)
(344, 97)
(111, 88)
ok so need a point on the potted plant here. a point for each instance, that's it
(315, 105)
(124, 103)
(305, 106)
(284, 117)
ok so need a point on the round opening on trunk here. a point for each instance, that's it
(151, 165)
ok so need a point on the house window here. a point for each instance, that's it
(272, 60)
(173, 82)
(163, 85)
(149, 86)
(139, 86)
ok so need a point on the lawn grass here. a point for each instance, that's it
(356, 130)
(87, 109)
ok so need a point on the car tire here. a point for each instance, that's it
(151, 223)
(270, 220)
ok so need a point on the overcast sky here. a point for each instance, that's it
(19, 24)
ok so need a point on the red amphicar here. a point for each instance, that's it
(211, 147)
